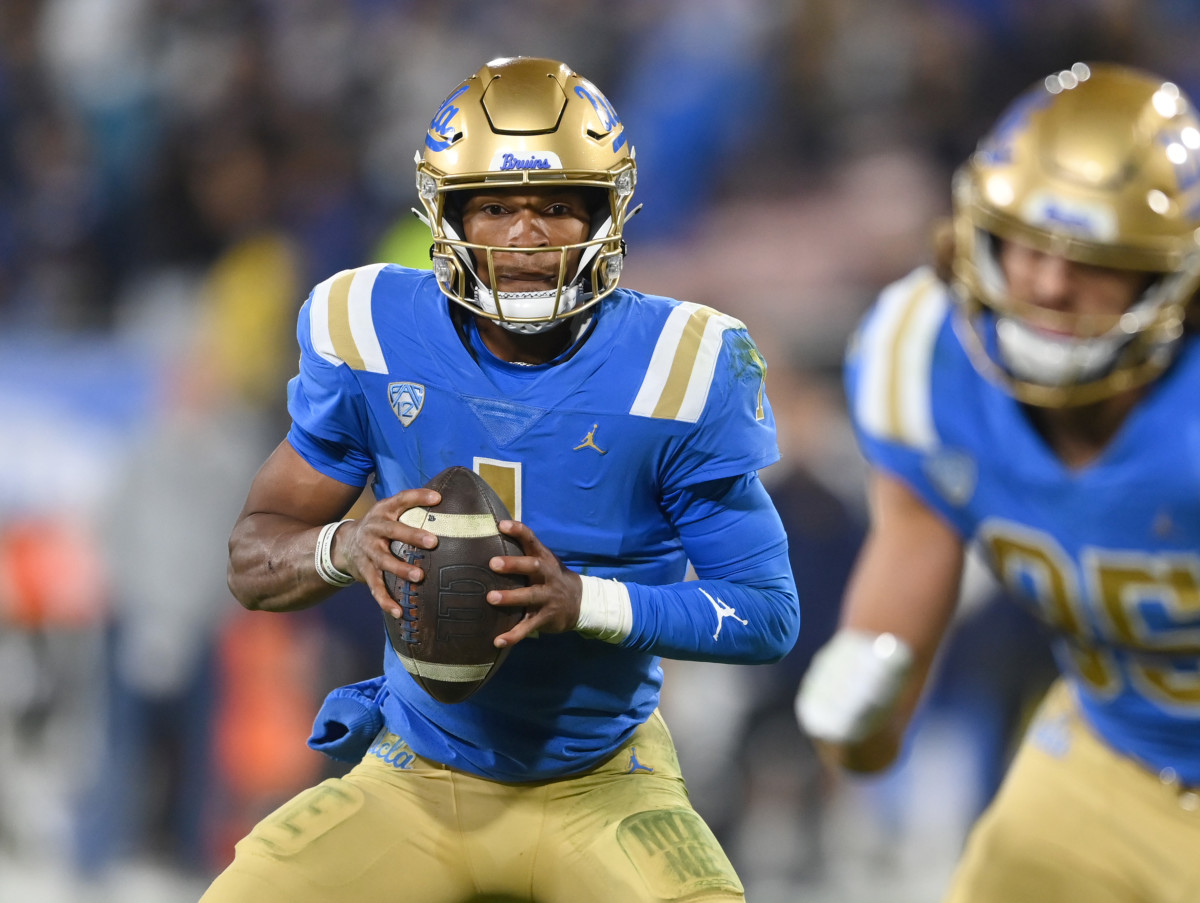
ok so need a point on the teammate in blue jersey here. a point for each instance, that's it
(623, 431)
(1039, 402)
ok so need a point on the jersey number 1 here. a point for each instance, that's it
(505, 478)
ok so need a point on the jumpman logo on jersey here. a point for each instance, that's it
(589, 441)
(724, 610)
(635, 765)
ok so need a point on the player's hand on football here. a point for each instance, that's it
(363, 547)
(551, 600)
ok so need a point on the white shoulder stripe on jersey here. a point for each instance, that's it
(340, 319)
(896, 353)
(681, 368)
(318, 321)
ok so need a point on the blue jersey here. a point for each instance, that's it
(594, 452)
(1107, 554)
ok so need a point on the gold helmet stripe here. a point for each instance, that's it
(681, 368)
(343, 330)
(892, 400)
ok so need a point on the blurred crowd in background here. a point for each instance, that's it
(176, 174)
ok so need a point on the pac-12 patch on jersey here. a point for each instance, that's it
(406, 400)
(953, 473)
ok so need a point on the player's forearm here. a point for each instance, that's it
(879, 749)
(863, 686)
(271, 564)
(745, 623)
(858, 697)
(751, 620)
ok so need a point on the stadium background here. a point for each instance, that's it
(175, 175)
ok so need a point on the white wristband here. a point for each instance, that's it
(852, 685)
(323, 556)
(605, 612)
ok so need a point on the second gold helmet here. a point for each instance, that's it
(1099, 164)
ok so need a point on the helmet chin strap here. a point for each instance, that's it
(1056, 361)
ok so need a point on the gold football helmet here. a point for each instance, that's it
(1100, 165)
(526, 122)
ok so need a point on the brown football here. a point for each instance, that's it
(444, 637)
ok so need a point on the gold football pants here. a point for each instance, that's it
(401, 829)
(1076, 823)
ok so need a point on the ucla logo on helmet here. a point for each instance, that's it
(406, 400)
(996, 149)
(441, 134)
(609, 119)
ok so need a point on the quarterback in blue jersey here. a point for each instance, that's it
(1038, 400)
(623, 431)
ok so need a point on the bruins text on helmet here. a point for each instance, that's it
(1100, 165)
(526, 122)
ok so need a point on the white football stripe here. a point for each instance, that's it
(452, 674)
(318, 321)
(705, 367)
(452, 526)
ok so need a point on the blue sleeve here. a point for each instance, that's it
(349, 719)
(338, 461)
(743, 608)
(329, 420)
